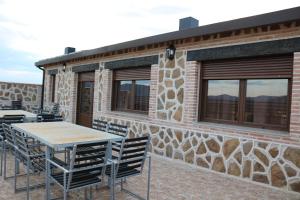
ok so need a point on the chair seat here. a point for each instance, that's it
(36, 164)
(78, 179)
(59, 162)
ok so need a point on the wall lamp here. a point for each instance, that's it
(170, 52)
(64, 67)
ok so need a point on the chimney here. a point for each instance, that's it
(69, 50)
(188, 22)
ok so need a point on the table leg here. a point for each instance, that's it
(48, 152)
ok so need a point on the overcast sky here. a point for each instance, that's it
(31, 30)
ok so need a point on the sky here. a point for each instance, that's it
(31, 30)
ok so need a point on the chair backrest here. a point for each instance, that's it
(10, 119)
(16, 105)
(132, 156)
(45, 118)
(117, 129)
(9, 134)
(21, 143)
(55, 109)
(99, 125)
(6, 108)
(1, 127)
(89, 160)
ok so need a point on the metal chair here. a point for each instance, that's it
(8, 145)
(16, 105)
(100, 125)
(48, 118)
(55, 109)
(7, 119)
(85, 170)
(10, 119)
(6, 107)
(31, 155)
(2, 138)
(130, 162)
(117, 129)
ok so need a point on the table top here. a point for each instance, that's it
(17, 112)
(63, 134)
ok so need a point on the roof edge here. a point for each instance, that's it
(275, 17)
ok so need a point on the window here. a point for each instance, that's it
(52, 86)
(132, 90)
(232, 94)
(266, 102)
(222, 100)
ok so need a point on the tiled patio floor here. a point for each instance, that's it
(172, 180)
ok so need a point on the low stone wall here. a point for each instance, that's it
(270, 163)
(30, 94)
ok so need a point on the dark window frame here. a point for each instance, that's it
(53, 88)
(115, 89)
(203, 89)
(241, 107)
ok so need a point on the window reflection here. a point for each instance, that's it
(124, 94)
(142, 89)
(267, 101)
(222, 99)
(133, 95)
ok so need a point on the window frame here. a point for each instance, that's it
(53, 87)
(203, 90)
(115, 88)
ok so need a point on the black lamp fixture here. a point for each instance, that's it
(170, 52)
(64, 67)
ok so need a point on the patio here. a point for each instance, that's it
(170, 180)
(220, 104)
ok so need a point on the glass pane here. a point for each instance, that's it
(222, 100)
(86, 97)
(142, 89)
(267, 101)
(124, 95)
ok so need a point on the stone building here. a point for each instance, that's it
(29, 94)
(228, 100)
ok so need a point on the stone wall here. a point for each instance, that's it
(30, 94)
(170, 87)
(264, 162)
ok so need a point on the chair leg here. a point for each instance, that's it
(112, 183)
(1, 165)
(91, 193)
(121, 184)
(15, 176)
(27, 176)
(4, 164)
(85, 193)
(148, 185)
(149, 178)
(65, 195)
(65, 187)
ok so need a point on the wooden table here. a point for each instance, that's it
(58, 135)
(29, 117)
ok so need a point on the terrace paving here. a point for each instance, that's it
(170, 180)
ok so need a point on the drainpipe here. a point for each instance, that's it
(42, 98)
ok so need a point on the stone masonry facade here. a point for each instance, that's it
(270, 163)
(29, 94)
(170, 87)
(258, 155)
